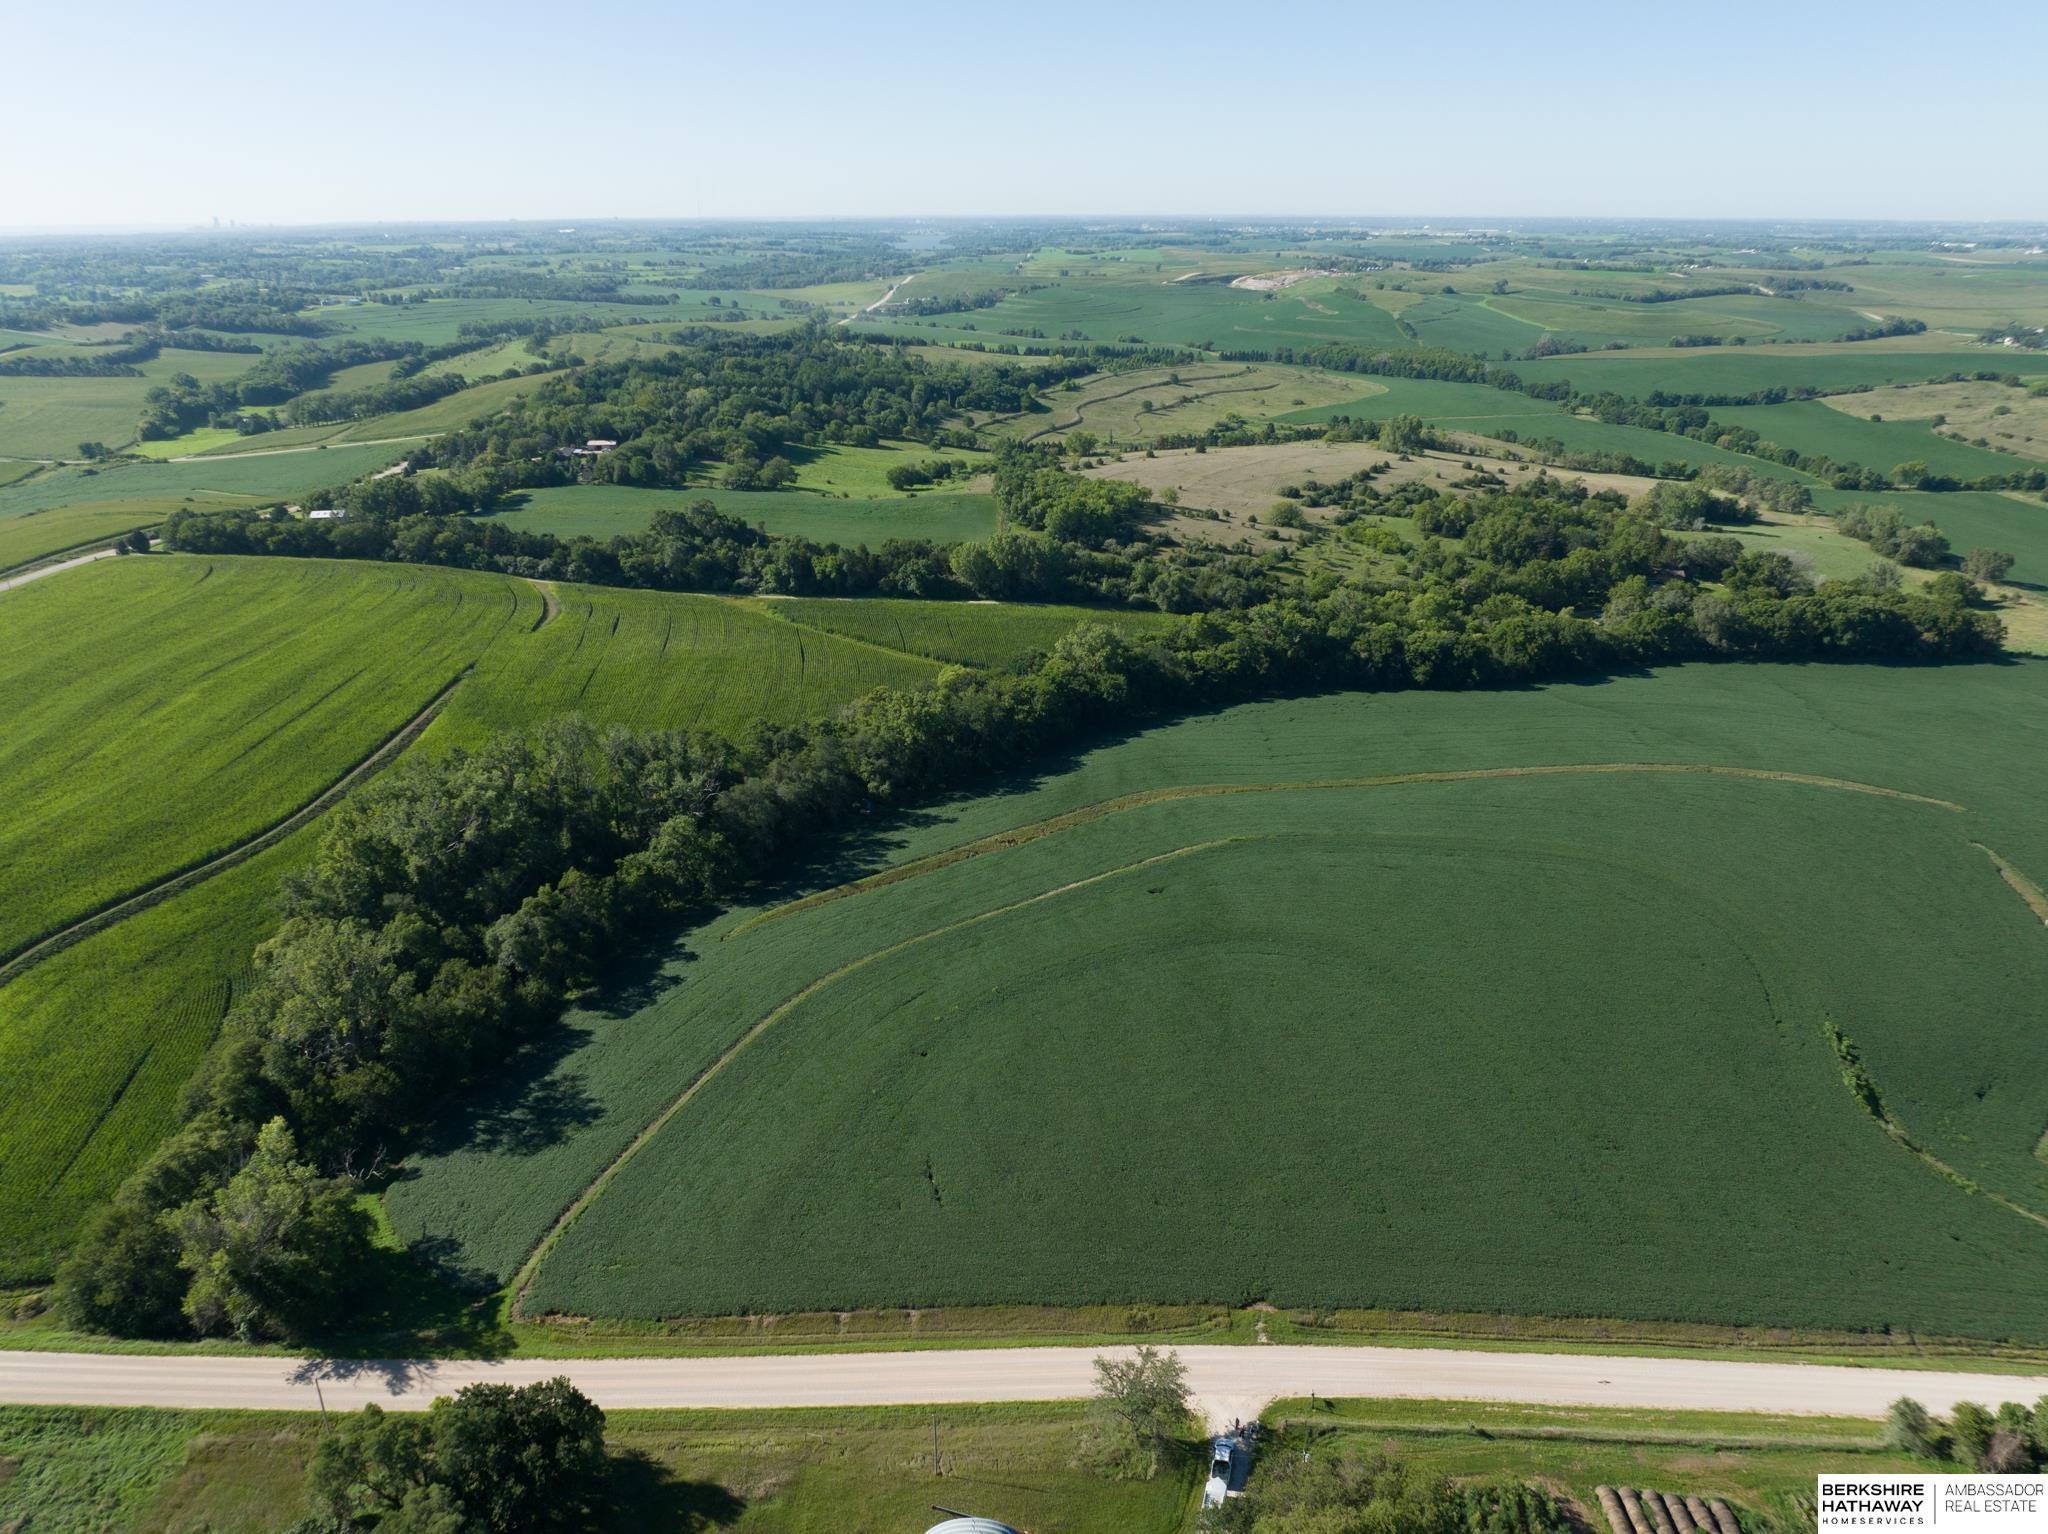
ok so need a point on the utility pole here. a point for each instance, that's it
(935, 1446)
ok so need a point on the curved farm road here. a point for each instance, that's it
(22, 577)
(1228, 1382)
(899, 283)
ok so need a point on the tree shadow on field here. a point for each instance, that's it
(645, 1494)
(528, 1105)
(408, 1305)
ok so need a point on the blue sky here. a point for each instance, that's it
(124, 113)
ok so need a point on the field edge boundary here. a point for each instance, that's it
(1031, 831)
(177, 883)
(522, 1280)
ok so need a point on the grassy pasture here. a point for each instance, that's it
(435, 321)
(962, 633)
(1971, 411)
(864, 471)
(831, 1471)
(31, 536)
(606, 511)
(1139, 406)
(1969, 295)
(1817, 428)
(49, 417)
(1243, 482)
(1762, 1465)
(228, 479)
(457, 410)
(1730, 370)
(201, 439)
(163, 709)
(1366, 1011)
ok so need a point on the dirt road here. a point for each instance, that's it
(1228, 1381)
(36, 574)
(871, 308)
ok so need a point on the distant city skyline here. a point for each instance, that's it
(460, 112)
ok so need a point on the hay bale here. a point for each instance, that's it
(1617, 1520)
(1724, 1516)
(1637, 1521)
(1654, 1506)
(1679, 1516)
(1700, 1515)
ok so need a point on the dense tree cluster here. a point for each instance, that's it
(1886, 531)
(2010, 1441)
(295, 378)
(696, 547)
(495, 1459)
(738, 401)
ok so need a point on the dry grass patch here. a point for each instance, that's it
(1972, 411)
(1240, 483)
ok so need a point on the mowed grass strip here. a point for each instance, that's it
(163, 709)
(1433, 1090)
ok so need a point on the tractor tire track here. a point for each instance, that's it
(1033, 830)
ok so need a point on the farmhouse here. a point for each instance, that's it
(326, 514)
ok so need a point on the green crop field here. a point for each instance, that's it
(1149, 306)
(961, 633)
(606, 511)
(1490, 412)
(161, 710)
(1597, 321)
(1451, 404)
(1818, 429)
(1460, 1101)
(97, 1039)
(1972, 519)
(1744, 370)
(658, 660)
